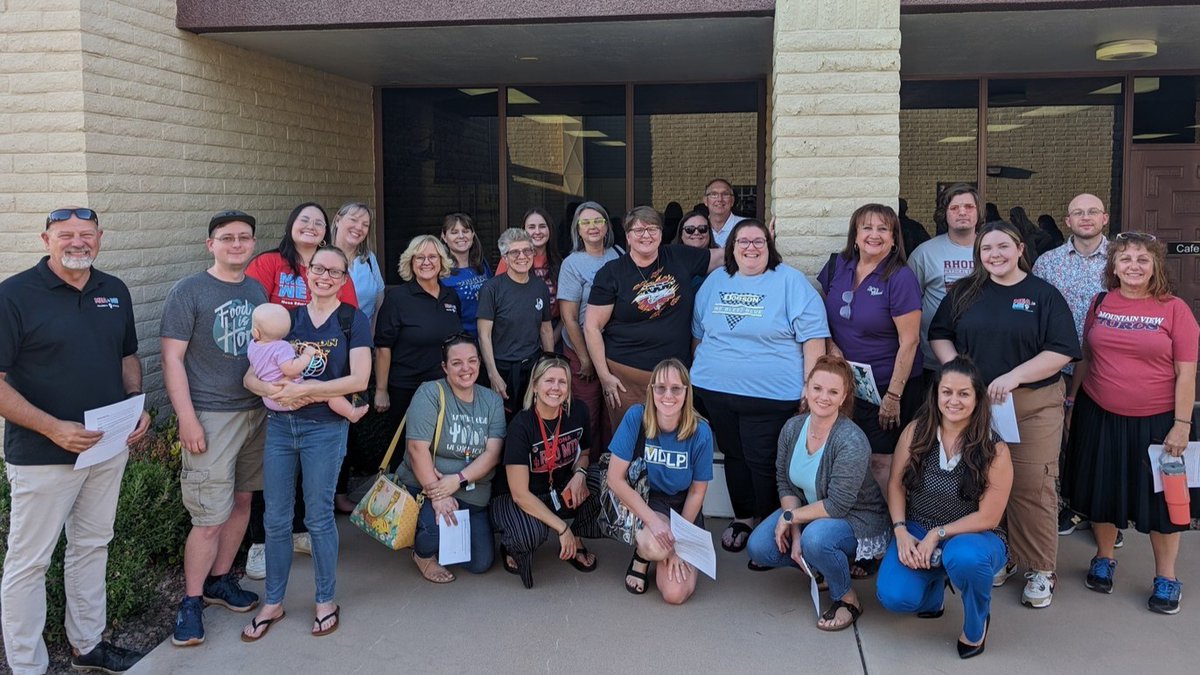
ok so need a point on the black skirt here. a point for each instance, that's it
(1108, 475)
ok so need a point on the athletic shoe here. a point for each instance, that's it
(189, 623)
(106, 658)
(225, 591)
(1068, 521)
(1003, 575)
(256, 562)
(301, 543)
(1120, 540)
(1166, 596)
(1100, 575)
(1039, 588)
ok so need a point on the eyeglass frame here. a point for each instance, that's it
(321, 270)
(846, 311)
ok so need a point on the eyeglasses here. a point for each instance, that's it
(847, 297)
(695, 229)
(673, 389)
(1079, 213)
(590, 222)
(427, 258)
(719, 195)
(747, 243)
(59, 215)
(230, 239)
(645, 231)
(319, 270)
(519, 253)
(1136, 236)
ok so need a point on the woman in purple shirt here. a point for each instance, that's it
(873, 303)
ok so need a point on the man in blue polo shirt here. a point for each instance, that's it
(67, 344)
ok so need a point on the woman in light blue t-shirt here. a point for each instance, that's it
(760, 326)
(677, 449)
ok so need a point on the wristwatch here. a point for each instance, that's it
(788, 516)
(941, 533)
(462, 481)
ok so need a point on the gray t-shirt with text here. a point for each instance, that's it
(213, 317)
(938, 263)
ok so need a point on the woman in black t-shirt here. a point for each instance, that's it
(545, 461)
(640, 309)
(1019, 331)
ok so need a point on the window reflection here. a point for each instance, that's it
(938, 143)
(1166, 109)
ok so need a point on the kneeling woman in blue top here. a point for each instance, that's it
(833, 512)
(950, 483)
(678, 450)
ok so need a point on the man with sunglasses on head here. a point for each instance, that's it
(1076, 269)
(67, 345)
(720, 200)
(205, 333)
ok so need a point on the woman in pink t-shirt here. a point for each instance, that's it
(1136, 386)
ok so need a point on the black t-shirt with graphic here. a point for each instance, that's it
(652, 306)
(523, 446)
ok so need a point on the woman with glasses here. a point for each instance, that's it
(283, 272)
(310, 438)
(469, 269)
(545, 463)
(639, 309)
(1018, 330)
(514, 320)
(678, 451)
(592, 241)
(1136, 333)
(546, 258)
(873, 302)
(759, 327)
(832, 510)
(457, 474)
(414, 319)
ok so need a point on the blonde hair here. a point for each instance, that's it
(418, 242)
(689, 419)
(540, 368)
(364, 247)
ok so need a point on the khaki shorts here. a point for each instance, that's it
(232, 462)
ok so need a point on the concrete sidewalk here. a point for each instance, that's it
(394, 621)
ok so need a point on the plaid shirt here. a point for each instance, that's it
(1078, 277)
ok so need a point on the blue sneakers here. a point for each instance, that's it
(1166, 596)
(224, 590)
(1100, 575)
(189, 623)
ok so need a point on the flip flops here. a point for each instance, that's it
(740, 530)
(579, 564)
(264, 625)
(336, 615)
(831, 615)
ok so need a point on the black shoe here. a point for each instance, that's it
(1120, 540)
(106, 658)
(1068, 521)
(966, 651)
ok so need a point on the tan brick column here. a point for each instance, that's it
(834, 115)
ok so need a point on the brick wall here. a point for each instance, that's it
(108, 104)
(834, 111)
(683, 152)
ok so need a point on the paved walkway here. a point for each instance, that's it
(394, 621)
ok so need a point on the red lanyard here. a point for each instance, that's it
(549, 451)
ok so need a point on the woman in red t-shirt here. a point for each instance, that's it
(282, 271)
(1135, 333)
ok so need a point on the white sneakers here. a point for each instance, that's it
(302, 543)
(256, 562)
(1002, 576)
(1039, 588)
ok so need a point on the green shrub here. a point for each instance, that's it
(148, 535)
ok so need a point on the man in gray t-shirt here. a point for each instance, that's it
(205, 331)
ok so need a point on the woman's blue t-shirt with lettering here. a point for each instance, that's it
(672, 465)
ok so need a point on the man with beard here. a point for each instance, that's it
(67, 344)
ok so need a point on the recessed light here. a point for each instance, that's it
(528, 58)
(1126, 50)
(611, 144)
(585, 133)
(957, 139)
(1151, 137)
(518, 97)
(997, 128)
(478, 92)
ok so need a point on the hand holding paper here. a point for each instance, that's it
(116, 422)
(694, 545)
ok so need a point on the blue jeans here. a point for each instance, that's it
(318, 447)
(828, 544)
(483, 545)
(970, 560)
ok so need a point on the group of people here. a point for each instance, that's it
(540, 395)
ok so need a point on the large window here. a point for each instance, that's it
(1166, 109)
(1049, 140)
(938, 142)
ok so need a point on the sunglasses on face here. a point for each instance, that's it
(59, 215)
(695, 229)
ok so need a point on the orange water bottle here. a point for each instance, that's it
(1175, 489)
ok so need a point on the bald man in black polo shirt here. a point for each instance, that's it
(67, 344)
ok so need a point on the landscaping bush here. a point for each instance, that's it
(149, 532)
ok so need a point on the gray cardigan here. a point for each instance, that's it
(844, 481)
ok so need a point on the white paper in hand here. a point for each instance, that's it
(864, 383)
(117, 421)
(1191, 463)
(694, 545)
(1004, 420)
(454, 541)
(812, 579)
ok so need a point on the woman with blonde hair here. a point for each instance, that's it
(677, 447)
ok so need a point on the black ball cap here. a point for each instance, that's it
(229, 217)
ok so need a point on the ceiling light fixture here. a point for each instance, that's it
(1126, 50)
